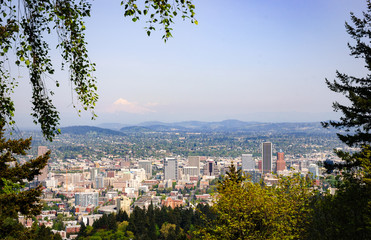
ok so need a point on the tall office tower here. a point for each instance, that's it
(171, 168)
(267, 157)
(247, 162)
(194, 161)
(41, 150)
(280, 164)
(147, 166)
(87, 198)
(210, 168)
(93, 173)
(99, 182)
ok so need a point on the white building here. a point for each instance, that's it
(139, 174)
(87, 198)
(248, 163)
(313, 168)
(51, 182)
(170, 168)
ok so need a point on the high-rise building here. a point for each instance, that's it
(93, 173)
(191, 171)
(267, 157)
(194, 161)
(74, 178)
(41, 150)
(313, 169)
(86, 199)
(210, 168)
(280, 164)
(99, 182)
(170, 168)
(147, 166)
(247, 162)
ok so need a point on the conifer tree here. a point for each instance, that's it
(13, 176)
(14, 198)
(82, 232)
(356, 119)
(347, 213)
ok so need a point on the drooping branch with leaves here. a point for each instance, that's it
(24, 26)
(160, 13)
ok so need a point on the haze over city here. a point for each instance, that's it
(247, 60)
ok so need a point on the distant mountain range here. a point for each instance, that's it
(82, 130)
(197, 126)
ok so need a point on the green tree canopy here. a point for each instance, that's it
(247, 210)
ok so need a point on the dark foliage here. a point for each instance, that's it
(177, 223)
(347, 213)
(356, 119)
(14, 198)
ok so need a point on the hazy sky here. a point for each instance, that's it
(250, 60)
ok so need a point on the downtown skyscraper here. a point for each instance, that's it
(280, 164)
(267, 157)
(170, 168)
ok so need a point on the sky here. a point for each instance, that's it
(249, 60)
